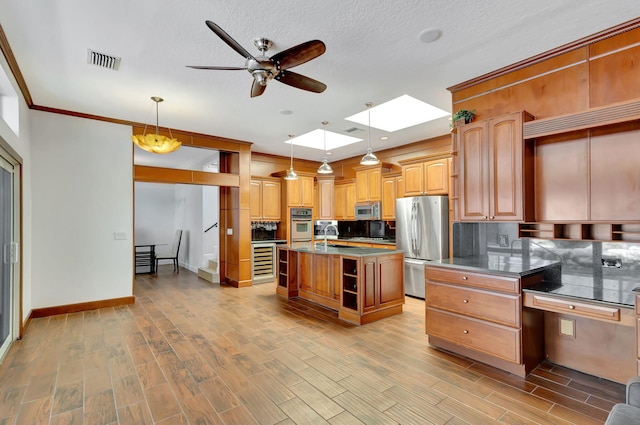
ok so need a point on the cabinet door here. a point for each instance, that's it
(473, 171)
(306, 273)
(339, 198)
(350, 201)
(294, 198)
(306, 189)
(362, 186)
(256, 199)
(374, 181)
(389, 198)
(270, 200)
(325, 200)
(412, 176)
(399, 187)
(505, 168)
(323, 276)
(390, 269)
(369, 284)
(437, 177)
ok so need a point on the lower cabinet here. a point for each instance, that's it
(481, 316)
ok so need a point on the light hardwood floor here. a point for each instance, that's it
(189, 352)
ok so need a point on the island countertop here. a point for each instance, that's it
(353, 251)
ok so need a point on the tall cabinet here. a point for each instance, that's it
(495, 170)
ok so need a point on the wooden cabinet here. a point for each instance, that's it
(481, 316)
(265, 199)
(390, 185)
(325, 198)
(369, 182)
(299, 193)
(345, 201)
(426, 177)
(495, 170)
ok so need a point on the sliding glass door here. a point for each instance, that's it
(8, 270)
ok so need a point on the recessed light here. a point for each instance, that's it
(384, 138)
(429, 35)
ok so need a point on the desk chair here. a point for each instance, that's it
(173, 254)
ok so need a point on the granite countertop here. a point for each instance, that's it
(618, 292)
(368, 240)
(270, 241)
(354, 251)
(498, 264)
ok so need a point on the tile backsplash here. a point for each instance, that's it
(615, 260)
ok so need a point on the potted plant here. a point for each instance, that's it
(463, 114)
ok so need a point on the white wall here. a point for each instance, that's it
(154, 213)
(189, 219)
(82, 194)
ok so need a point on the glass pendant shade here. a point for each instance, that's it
(156, 143)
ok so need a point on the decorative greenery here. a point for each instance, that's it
(463, 113)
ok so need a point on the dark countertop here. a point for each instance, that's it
(498, 264)
(367, 240)
(354, 251)
(618, 292)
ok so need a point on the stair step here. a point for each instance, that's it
(213, 265)
(209, 275)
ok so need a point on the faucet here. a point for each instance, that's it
(325, 233)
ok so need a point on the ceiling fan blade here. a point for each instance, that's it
(299, 54)
(222, 68)
(257, 89)
(230, 41)
(300, 81)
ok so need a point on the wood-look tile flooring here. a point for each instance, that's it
(189, 352)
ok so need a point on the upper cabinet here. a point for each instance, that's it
(495, 170)
(300, 192)
(426, 176)
(369, 182)
(325, 198)
(345, 200)
(391, 190)
(265, 198)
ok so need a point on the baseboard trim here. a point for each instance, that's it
(75, 308)
(25, 325)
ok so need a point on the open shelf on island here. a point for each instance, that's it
(605, 232)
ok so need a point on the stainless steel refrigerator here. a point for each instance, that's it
(422, 232)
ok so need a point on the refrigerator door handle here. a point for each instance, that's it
(418, 230)
(413, 229)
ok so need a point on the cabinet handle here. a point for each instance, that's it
(465, 301)
(484, 217)
(571, 307)
(464, 278)
(465, 331)
(491, 218)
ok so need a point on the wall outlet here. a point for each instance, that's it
(503, 240)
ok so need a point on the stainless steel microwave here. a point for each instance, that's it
(368, 210)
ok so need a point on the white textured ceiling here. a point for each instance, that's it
(373, 55)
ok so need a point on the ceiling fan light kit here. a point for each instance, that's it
(264, 69)
(156, 143)
(369, 158)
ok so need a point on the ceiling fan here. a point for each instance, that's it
(263, 69)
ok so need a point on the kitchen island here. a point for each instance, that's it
(362, 284)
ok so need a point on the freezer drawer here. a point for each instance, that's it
(414, 277)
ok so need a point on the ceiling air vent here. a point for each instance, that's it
(353, 130)
(103, 60)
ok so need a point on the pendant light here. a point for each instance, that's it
(369, 158)
(156, 143)
(325, 168)
(291, 175)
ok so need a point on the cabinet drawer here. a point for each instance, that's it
(477, 280)
(496, 307)
(572, 307)
(495, 340)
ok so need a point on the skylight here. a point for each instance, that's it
(315, 140)
(396, 114)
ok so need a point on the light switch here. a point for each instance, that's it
(229, 232)
(120, 236)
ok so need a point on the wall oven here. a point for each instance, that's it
(301, 225)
